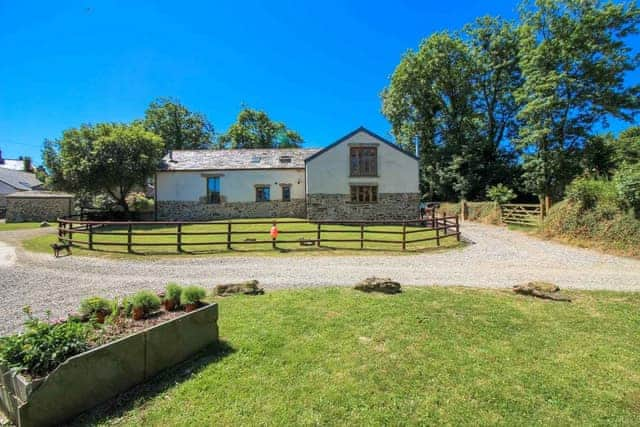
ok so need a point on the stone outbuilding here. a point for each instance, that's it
(38, 206)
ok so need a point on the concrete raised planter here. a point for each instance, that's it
(90, 378)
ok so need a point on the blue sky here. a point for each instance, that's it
(318, 66)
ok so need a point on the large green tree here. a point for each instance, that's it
(573, 59)
(179, 128)
(455, 96)
(106, 158)
(254, 129)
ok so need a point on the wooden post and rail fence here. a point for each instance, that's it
(89, 234)
(527, 214)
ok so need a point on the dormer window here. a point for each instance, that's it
(285, 159)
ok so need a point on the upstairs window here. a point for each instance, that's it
(263, 193)
(364, 161)
(213, 189)
(364, 193)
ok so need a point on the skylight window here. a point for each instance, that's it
(285, 159)
(256, 159)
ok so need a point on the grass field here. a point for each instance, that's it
(18, 225)
(427, 356)
(257, 232)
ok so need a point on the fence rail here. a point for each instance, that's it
(407, 232)
(521, 214)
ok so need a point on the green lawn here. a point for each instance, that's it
(18, 225)
(258, 232)
(427, 356)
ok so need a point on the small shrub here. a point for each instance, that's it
(96, 305)
(173, 292)
(627, 181)
(500, 194)
(192, 295)
(138, 202)
(589, 192)
(146, 300)
(43, 345)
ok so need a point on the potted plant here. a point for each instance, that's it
(172, 296)
(143, 303)
(97, 308)
(191, 297)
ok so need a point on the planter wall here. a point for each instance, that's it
(99, 374)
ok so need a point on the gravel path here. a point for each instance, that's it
(496, 258)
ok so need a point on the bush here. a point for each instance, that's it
(627, 181)
(138, 202)
(146, 300)
(192, 295)
(173, 292)
(94, 305)
(43, 346)
(589, 192)
(500, 194)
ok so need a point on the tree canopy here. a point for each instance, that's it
(179, 128)
(254, 129)
(106, 158)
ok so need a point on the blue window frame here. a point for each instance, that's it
(213, 189)
(263, 194)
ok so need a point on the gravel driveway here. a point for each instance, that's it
(496, 258)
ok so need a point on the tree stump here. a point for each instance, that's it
(376, 284)
(542, 290)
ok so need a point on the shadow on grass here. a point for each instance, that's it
(140, 394)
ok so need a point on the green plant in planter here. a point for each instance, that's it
(143, 303)
(172, 296)
(96, 307)
(191, 297)
(43, 345)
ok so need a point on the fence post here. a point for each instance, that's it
(457, 228)
(361, 236)
(229, 235)
(90, 237)
(60, 233)
(179, 237)
(129, 230)
(438, 236)
(70, 233)
(404, 235)
(444, 222)
(318, 234)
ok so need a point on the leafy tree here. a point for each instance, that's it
(179, 128)
(500, 194)
(254, 129)
(106, 158)
(627, 181)
(573, 60)
(598, 156)
(454, 95)
(627, 146)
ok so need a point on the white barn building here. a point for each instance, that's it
(361, 176)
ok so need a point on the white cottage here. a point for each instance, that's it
(359, 177)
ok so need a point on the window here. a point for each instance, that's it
(262, 193)
(286, 193)
(364, 161)
(285, 159)
(213, 189)
(364, 193)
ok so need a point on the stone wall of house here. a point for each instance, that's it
(338, 207)
(200, 211)
(37, 209)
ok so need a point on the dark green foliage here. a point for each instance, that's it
(500, 194)
(628, 185)
(192, 295)
(254, 129)
(91, 306)
(173, 292)
(588, 192)
(43, 345)
(179, 128)
(146, 300)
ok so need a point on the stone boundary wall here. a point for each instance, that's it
(37, 209)
(336, 207)
(87, 379)
(200, 211)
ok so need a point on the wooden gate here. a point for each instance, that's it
(521, 214)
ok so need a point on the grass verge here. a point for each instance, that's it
(427, 356)
(257, 232)
(18, 225)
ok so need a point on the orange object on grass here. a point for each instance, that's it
(274, 232)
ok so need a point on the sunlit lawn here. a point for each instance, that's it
(435, 356)
(18, 225)
(241, 243)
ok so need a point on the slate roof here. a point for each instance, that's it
(40, 195)
(19, 180)
(182, 160)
